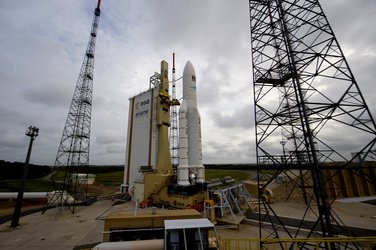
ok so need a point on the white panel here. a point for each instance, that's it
(188, 223)
(139, 132)
(138, 192)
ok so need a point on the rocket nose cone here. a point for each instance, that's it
(188, 69)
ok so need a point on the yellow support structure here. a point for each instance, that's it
(275, 243)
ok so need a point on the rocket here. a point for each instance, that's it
(190, 169)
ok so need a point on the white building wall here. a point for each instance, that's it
(141, 136)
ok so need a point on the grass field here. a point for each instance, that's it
(110, 179)
(237, 175)
(32, 185)
(114, 178)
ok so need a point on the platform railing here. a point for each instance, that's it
(367, 243)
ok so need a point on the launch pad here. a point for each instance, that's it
(141, 225)
(149, 176)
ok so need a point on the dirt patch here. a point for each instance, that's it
(96, 189)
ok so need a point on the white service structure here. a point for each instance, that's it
(141, 152)
(190, 169)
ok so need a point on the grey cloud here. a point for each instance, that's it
(241, 152)
(239, 118)
(39, 67)
(48, 94)
(349, 21)
(109, 137)
(116, 149)
(8, 141)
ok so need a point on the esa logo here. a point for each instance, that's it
(142, 103)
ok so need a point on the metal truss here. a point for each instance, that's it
(310, 113)
(174, 131)
(174, 137)
(73, 153)
(232, 203)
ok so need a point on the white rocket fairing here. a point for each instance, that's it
(190, 169)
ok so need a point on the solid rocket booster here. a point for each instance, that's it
(190, 169)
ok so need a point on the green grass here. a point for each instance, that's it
(113, 178)
(43, 185)
(237, 175)
(32, 185)
(109, 179)
(59, 174)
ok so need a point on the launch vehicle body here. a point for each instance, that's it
(190, 169)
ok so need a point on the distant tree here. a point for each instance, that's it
(14, 170)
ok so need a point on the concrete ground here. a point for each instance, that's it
(56, 229)
(60, 229)
(355, 214)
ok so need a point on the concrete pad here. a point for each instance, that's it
(356, 199)
(354, 214)
(56, 229)
(60, 229)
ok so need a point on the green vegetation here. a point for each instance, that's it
(39, 181)
(237, 175)
(14, 170)
(31, 185)
(38, 176)
(240, 166)
(116, 177)
(110, 178)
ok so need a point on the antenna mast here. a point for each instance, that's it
(73, 152)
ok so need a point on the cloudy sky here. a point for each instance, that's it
(42, 45)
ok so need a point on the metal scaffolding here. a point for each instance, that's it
(73, 152)
(308, 110)
(174, 132)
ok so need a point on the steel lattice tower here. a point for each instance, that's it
(73, 152)
(174, 133)
(307, 104)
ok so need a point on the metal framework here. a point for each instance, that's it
(233, 202)
(254, 243)
(73, 152)
(309, 111)
(174, 133)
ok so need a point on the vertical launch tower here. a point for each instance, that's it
(307, 101)
(73, 152)
(148, 162)
(174, 136)
(149, 176)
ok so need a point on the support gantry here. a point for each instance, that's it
(174, 131)
(310, 114)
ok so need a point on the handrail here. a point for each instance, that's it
(283, 243)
